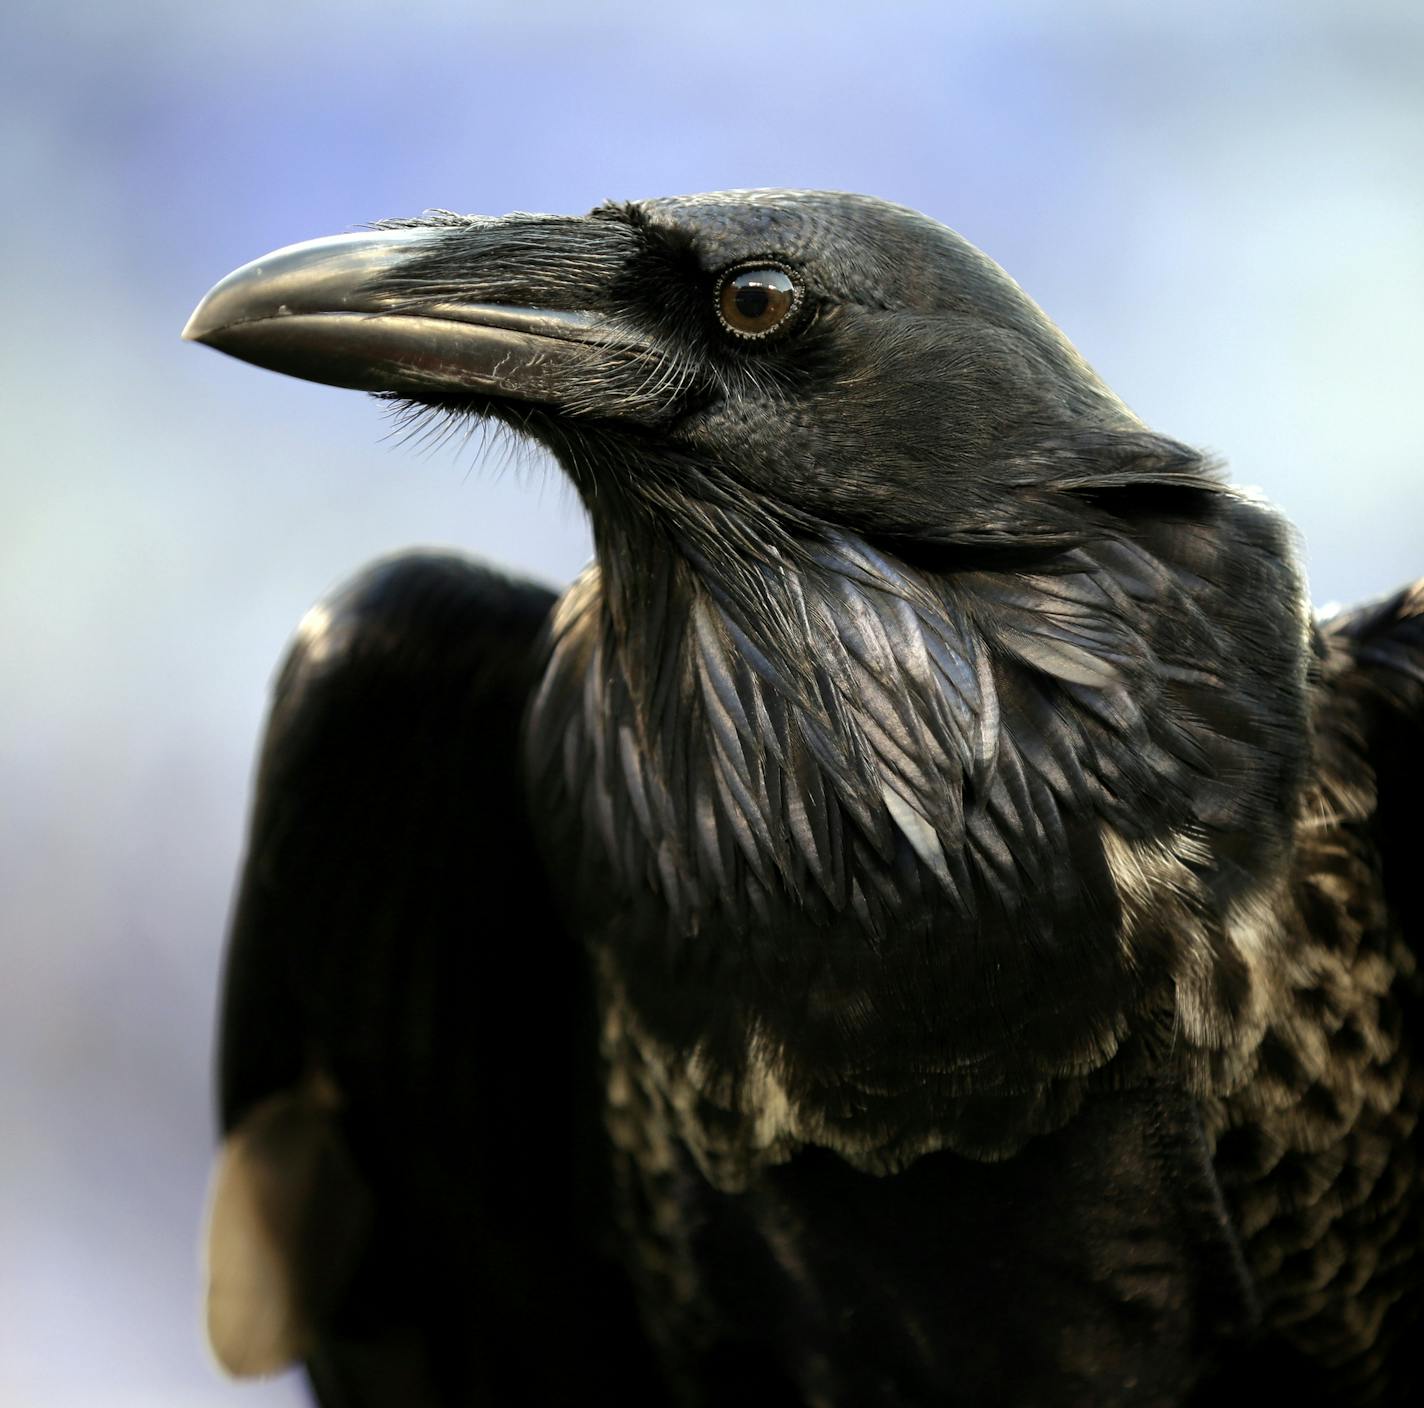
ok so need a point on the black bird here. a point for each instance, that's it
(928, 917)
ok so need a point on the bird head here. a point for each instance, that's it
(744, 347)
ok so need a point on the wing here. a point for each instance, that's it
(1380, 695)
(1384, 685)
(410, 1194)
(1319, 1151)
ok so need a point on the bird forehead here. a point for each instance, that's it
(730, 224)
(852, 245)
(804, 223)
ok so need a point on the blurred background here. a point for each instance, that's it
(1222, 204)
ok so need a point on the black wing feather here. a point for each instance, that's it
(394, 957)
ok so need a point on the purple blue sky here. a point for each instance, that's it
(1221, 203)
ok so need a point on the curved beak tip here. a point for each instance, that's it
(198, 328)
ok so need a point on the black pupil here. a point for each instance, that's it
(752, 301)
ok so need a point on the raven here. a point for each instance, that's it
(928, 917)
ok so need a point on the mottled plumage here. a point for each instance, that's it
(928, 915)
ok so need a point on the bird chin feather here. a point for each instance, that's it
(935, 839)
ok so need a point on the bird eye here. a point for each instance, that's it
(755, 302)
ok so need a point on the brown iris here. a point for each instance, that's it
(755, 302)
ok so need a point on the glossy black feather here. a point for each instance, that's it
(376, 942)
(997, 891)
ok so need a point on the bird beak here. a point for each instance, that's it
(323, 310)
